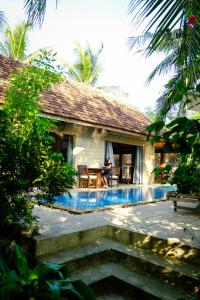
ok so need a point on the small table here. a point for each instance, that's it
(96, 171)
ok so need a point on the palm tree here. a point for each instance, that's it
(15, 41)
(87, 67)
(170, 46)
(177, 33)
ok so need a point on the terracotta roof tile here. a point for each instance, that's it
(76, 101)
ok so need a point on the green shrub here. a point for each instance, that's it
(45, 281)
(162, 174)
(187, 179)
(26, 157)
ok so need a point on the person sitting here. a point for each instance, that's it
(106, 172)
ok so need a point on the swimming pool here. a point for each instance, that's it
(90, 200)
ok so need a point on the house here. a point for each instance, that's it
(92, 126)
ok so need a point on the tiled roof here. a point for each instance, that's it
(76, 101)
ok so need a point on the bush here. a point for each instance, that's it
(26, 156)
(163, 174)
(45, 281)
(187, 179)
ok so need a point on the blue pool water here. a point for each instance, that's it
(88, 200)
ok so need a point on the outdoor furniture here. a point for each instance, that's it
(86, 177)
(95, 172)
(115, 172)
(184, 198)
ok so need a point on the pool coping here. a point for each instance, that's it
(98, 209)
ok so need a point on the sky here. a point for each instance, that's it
(95, 22)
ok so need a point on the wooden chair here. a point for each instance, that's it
(84, 177)
(115, 172)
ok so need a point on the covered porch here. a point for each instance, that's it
(86, 145)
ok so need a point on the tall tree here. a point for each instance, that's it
(165, 18)
(15, 41)
(87, 67)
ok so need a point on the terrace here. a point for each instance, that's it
(120, 244)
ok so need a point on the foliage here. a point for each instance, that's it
(35, 10)
(87, 67)
(163, 173)
(187, 178)
(183, 136)
(2, 19)
(45, 281)
(176, 32)
(26, 158)
(15, 41)
(150, 113)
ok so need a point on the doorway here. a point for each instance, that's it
(124, 157)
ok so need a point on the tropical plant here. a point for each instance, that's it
(176, 30)
(44, 281)
(162, 173)
(87, 67)
(187, 178)
(183, 136)
(15, 41)
(35, 10)
(26, 156)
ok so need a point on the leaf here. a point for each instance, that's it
(54, 287)
(9, 285)
(3, 266)
(44, 269)
(21, 261)
(84, 290)
(69, 287)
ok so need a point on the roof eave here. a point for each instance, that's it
(90, 124)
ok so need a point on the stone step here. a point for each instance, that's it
(176, 273)
(171, 248)
(112, 288)
(49, 245)
(148, 284)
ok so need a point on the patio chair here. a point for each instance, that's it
(84, 177)
(115, 172)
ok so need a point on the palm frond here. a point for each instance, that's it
(3, 49)
(164, 15)
(139, 41)
(87, 68)
(168, 64)
(35, 10)
(16, 41)
(3, 20)
(174, 95)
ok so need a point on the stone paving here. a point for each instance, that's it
(157, 219)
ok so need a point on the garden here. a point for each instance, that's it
(29, 165)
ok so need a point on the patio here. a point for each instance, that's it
(145, 248)
(156, 219)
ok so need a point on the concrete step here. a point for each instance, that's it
(146, 283)
(113, 288)
(52, 244)
(135, 259)
(173, 249)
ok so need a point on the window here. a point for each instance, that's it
(64, 145)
